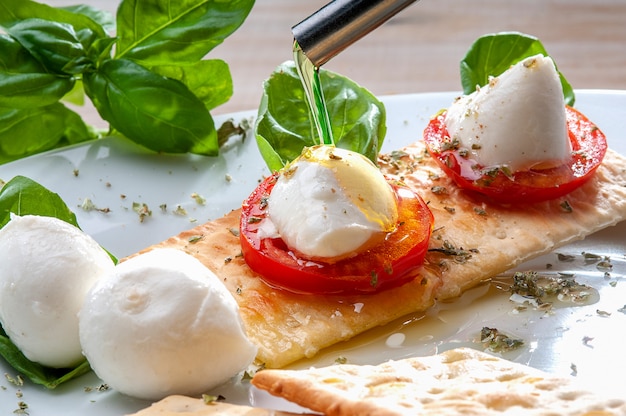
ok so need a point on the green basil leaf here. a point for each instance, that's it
(76, 95)
(154, 111)
(210, 80)
(100, 50)
(21, 130)
(185, 33)
(24, 196)
(13, 11)
(492, 54)
(272, 158)
(24, 82)
(284, 124)
(102, 17)
(55, 45)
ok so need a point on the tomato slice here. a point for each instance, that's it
(588, 149)
(393, 262)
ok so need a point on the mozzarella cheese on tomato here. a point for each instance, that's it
(161, 323)
(46, 268)
(330, 203)
(517, 120)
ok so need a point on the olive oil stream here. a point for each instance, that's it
(310, 77)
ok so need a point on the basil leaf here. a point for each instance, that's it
(21, 130)
(55, 45)
(24, 196)
(102, 17)
(99, 50)
(210, 80)
(154, 111)
(271, 156)
(185, 33)
(24, 82)
(284, 124)
(12, 11)
(76, 95)
(492, 54)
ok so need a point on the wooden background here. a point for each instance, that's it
(419, 49)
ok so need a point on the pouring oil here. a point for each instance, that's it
(310, 77)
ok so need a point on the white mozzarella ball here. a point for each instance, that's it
(161, 323)
(331, 203)
(47, 268)
(517, 120)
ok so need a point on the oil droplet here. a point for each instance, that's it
(395, 340)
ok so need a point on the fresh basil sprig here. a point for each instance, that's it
(156, 88)
(492, 54)
(284, 124)
(23, 196)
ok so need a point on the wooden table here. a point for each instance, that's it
(419, 49)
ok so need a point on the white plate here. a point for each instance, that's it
(114, 174)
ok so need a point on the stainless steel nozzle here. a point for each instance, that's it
(340, 23)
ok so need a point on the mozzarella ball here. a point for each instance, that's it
(161, 323)
(517, 120)
(331, 203)
(47, 268)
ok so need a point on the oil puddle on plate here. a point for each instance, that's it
(574, 329)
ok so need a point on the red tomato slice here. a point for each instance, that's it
(588, 149)
(391, 263)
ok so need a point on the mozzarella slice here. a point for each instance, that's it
(330, 203)
(517, 120)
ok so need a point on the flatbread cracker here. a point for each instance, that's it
(472, 242)
(505, 235)
(457, 382)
